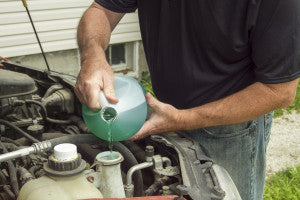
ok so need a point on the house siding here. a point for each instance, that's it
(56, 23)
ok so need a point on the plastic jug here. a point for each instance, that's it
(127, 116)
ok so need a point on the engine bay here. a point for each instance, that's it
(39, 111)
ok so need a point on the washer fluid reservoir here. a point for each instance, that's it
(125, 118)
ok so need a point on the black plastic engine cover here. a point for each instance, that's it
(14, 84)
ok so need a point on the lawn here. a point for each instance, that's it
(284, 185)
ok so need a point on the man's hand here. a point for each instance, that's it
(247, 104)
(164, 118)
(94, 77)
(93, 35)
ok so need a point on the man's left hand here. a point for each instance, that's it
(164, 118)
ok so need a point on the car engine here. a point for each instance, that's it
(47, 152)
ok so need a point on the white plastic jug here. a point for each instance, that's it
(127, 116)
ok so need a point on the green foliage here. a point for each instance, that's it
(294, 106)
(146, 82)
(284, 185)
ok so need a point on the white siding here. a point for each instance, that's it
(56, 22)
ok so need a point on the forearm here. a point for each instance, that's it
(93, 37)
(94, 31)
(245, 105)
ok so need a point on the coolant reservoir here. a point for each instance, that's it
(64, 179)
(59, 188)
(127, 116)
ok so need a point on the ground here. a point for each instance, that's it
(284, 146)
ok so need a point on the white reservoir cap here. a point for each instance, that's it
(65, 152)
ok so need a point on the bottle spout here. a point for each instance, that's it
(108, 114)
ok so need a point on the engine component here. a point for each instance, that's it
(65, 161)
(64, 179)
(60, 101)
(14, 84)
(202, 179)
(153, 160)
(108, 166)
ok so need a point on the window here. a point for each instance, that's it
(123, 57)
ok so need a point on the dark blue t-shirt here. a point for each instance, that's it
(199, 51)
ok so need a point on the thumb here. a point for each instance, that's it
(151, 101)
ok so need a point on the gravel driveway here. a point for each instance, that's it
(284, 146)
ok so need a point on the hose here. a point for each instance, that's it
(7, 123)
(137, 151)
(152, 189)
(5, 139)
(45, 115)
(8, 191)
(33, 170)
(12, 173)
(76, 139)
(131, 161)
(25, 175)
(52, 89)
(80, 123)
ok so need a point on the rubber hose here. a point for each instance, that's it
(80, 123)
(45, 115)
(131, 161)
(128, 156)
(25, 175)
(43, 112)
(7, 123)
(76, 139)
(12, 173)
(5, 139)
(137, 151)
(52, 89)
(33, 170)
(8, 191)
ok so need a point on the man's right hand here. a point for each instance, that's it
(95, 76)
(93, 36)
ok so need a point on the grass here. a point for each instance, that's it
(284, 185)
(294, 106)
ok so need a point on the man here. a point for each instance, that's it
(217, 67)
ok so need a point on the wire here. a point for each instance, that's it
(5, 59)
(7, 123)
(12, 172)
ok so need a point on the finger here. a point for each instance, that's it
(91, 96)
(79, 97)
(109, 90)
(77, 90)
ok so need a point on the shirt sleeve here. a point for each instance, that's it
(276, 41)
(120, 6)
